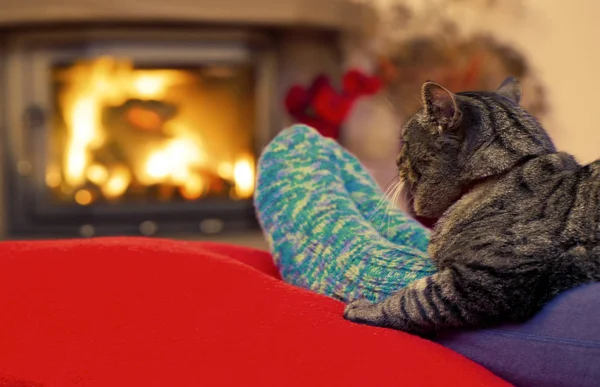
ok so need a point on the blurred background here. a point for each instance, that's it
(147, 118)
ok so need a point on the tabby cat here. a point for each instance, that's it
(518, 223)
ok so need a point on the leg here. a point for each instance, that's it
(423, 307)
(389, 221)
(318, 236)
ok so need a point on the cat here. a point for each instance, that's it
(518, 221)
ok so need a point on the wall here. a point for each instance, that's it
(3, 94)
(303, 55)
(561, 41)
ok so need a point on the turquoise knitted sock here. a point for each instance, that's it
(321, 214)
(389, 221)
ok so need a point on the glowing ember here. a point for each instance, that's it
(193, 188)
(83, 197)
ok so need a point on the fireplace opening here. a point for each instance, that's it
(137, 132)
(121, 133)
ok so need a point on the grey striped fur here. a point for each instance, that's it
(518, 223)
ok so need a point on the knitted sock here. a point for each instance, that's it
(389, 221)
(317, 207)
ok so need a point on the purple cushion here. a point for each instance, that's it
(560, 346)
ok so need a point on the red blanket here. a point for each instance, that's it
(152, 312)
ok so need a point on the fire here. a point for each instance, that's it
(174, 163)
(177, 156)
(193, 188)
(81, 119)
(243, 173)
(117, 183)
(149, 86)
(97, 174)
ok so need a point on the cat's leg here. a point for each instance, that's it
(424, 306)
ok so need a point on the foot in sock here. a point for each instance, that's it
(388, 220)
(316, 205)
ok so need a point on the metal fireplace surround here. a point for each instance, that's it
(27, 95)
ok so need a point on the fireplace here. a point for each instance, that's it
(121, 132)
(119, 119)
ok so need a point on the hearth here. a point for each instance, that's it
(122, 132)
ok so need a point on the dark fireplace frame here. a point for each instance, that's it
(27, 100)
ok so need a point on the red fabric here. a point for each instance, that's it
(151, 312)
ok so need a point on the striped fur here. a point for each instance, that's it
(518, 223)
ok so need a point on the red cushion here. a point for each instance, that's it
(151, 312)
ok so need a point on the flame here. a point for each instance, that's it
(193, 188)
(117, 183)
(182, 160)
(81, 119)
(97, 174)
(153, 84)
(149, 86)
(173, 163)
(243, 174)
(225, 170)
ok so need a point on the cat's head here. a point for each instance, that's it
(457, 140)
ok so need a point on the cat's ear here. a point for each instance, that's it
(510, 89)
(440, 105)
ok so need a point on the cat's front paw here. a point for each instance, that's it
(364, 312)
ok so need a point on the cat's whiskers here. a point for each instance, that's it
(388, 195)
(407, 195)
(386, 216)
(393, 202)
(390, 103)
(388, 190)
